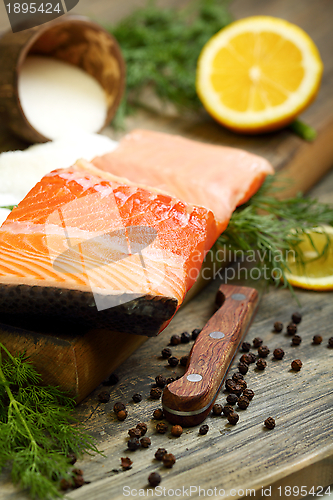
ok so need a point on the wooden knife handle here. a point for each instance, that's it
(188, 400)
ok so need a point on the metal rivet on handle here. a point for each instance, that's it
(194, 377)
(216, 335)
(238, 296)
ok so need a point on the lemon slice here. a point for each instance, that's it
(258, 74)
(317, 273)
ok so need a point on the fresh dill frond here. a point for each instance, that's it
(271, 228)
(37, 428)
(9, 207)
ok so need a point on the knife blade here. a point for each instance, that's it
(188, 400)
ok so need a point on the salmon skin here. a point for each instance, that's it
(86, 246)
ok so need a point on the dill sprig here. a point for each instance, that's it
(272, 227)
(37, 429)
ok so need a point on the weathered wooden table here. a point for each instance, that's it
(299, 451)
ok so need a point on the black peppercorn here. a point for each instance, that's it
(232, 399)
(227, 409)
(183, 360)
(263, 351)
(257, 342)
(65, 484)
(119, 407)
(158, 414)
(160, 381)
(126, 463)
(278, 353)
(175, 340)
(142, 428)
(249, 394)
(269, 423)
(155, 393)
(168, 460)
(145, 442)
(317, 339)
(169, 380)
(291, 329)
(243, 403)
(217, 409)
(238, 389)
(246, 358)
(161, 428)
(133, 444)
(134, 433)
(154, 479)
(278, 326)
(185, 338)
(72, 458)
(237, 376)
(296, 365)
(137, 397)
(77, 472)
(173, 361)
(78, 481)
(160, 453)
(246, 346)
(203, 429)
(112, 380)
(261, 364)
(252, 357)
(233, 418)
(166, 353)
(104, 397)
(176, 430)
(242, 384)
(330, 342)
(230, 384)
(195, 333)
(296, 317)
(296, 340)
(243, 368)
(121, 415)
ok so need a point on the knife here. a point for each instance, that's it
(189, 400)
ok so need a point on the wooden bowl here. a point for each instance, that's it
(73, 39)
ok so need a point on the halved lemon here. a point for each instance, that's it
(317, 273)
(258, 74)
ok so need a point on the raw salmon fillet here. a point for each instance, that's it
(216, 177)
(86, 245)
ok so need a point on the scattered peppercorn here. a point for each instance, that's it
(137, 397)
(232, 399)
(252, 357)
(237, 376)
(330, 342)
(249, 394)
(145, 442)
(246, 346)
(246, 358)
(112, 380)
(237, 390)
(296, 340)
(155, 392)
(317, 339)
(78, 481)
(263, 351)
(269, 423)
(185, 338)
(104, 397)
(134, 433)
(175, 340)
(291, 329)
(161, 428)
(77, 472)
(183, 360)
(169, 380)
(176, 430)
(296, 317)
(195, 333)
(296, 365)
(166, 353)
(233, 418)
(72, 458)
(133, 444)
(142, 428)
(154, 479)
(158, 414)
(159, 454)
(242, 383)
(278, 326)
(203, 429)
(217, 409)
(126, 463)
(227, 409)
(257, 342)
(169, 460)
(121, 415)
(261, 364)
(243, 403)
(173, 361)
(119, 407)
(230, 384)
(160, 381)
(278, 353)
(65, 484)
(243, 368)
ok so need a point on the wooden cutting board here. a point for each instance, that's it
(79, 363)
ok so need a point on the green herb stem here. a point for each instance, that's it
(303, 130)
